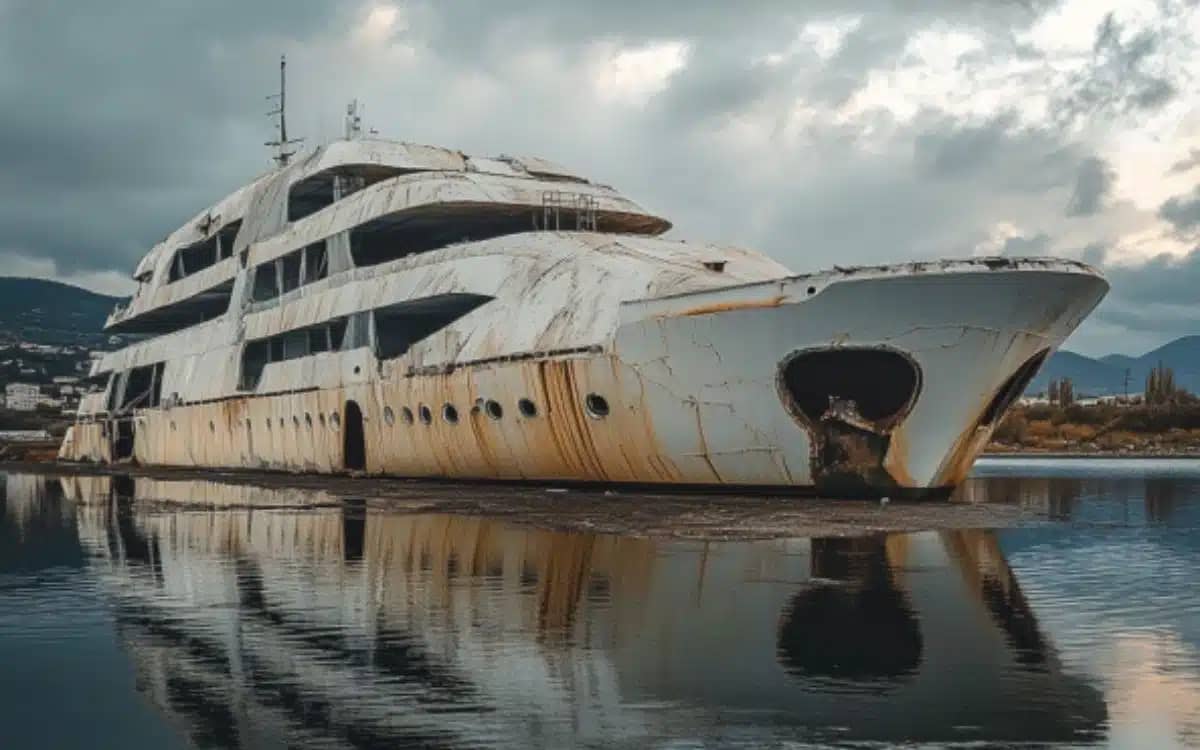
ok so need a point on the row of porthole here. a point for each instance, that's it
(595, 404)
(334, 421)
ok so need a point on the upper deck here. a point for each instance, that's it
(385, 198)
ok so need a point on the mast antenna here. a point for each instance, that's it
(353, 121)
(281, 145)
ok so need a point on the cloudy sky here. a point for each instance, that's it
(819, 131)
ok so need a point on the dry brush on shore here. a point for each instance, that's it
(1154, 429)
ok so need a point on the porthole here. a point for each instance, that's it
(173, 427)
(249, 425)
(321, 418)
(450, 414)
(296, 421)
(597, 406)
(212, 427)
(281, 423)
(389, 416)
(308, 420)
(426, 414)
(268, 424)
(406, 414)
(334, 420)
(812, 290)
(493, 409)
(527, 408)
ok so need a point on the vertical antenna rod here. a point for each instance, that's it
(282, 154)
(353, 121)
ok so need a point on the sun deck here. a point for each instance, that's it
(354, 204)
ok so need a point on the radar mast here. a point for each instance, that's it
(281, 144)
(353, 121)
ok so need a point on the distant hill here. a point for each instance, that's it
(50, 312)
(1106, 375)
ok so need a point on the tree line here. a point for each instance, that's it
(1160, 390)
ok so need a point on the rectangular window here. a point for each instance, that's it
(318, 339)
(255, 356)
(399, 326)
(337, 334)
(295, 344)
(290, 272)
(265, 284)
(143, 388)
(200, 255)
(226, 238)
(316, 264)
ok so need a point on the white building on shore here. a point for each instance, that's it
(21, 396)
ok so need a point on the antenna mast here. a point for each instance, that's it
(353, 121)
(282, 154)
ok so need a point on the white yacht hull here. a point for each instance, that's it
(705, 388)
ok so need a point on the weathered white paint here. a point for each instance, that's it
(684, 341)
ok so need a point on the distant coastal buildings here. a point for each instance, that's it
(44, 378)
(22, 396)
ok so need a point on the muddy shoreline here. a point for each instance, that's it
(659, 513)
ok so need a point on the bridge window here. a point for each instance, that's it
(200, 255)
(324, 188)
(429, 228)
(326, 337)
(139, 388)
(292, 271)
(289, 271)
(399, 326)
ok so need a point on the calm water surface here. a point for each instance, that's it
(126, 621)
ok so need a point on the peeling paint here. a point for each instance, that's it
(685, 343)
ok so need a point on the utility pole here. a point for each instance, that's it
(282, 154)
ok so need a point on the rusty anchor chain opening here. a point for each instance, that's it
(850, 400)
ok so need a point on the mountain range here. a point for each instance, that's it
(1106, 375)
(50, 312)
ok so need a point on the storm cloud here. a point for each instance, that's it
(1092, 185)
(831, 131)
(1182, 211)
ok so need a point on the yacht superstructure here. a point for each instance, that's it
(390, 308)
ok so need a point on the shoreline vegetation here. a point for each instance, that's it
(1164, 420)
(1102, 429)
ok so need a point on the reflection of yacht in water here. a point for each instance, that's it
(361, 627)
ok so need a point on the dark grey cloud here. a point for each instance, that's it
(1155, 298)
(459, 24)
(1187, 163)
(1092, 186)
(1126, 75)
(999, 150)
(119, 120)
(1182, 211)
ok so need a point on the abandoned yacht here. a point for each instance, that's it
(395, 309)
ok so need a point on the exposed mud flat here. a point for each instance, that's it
(631, 511)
